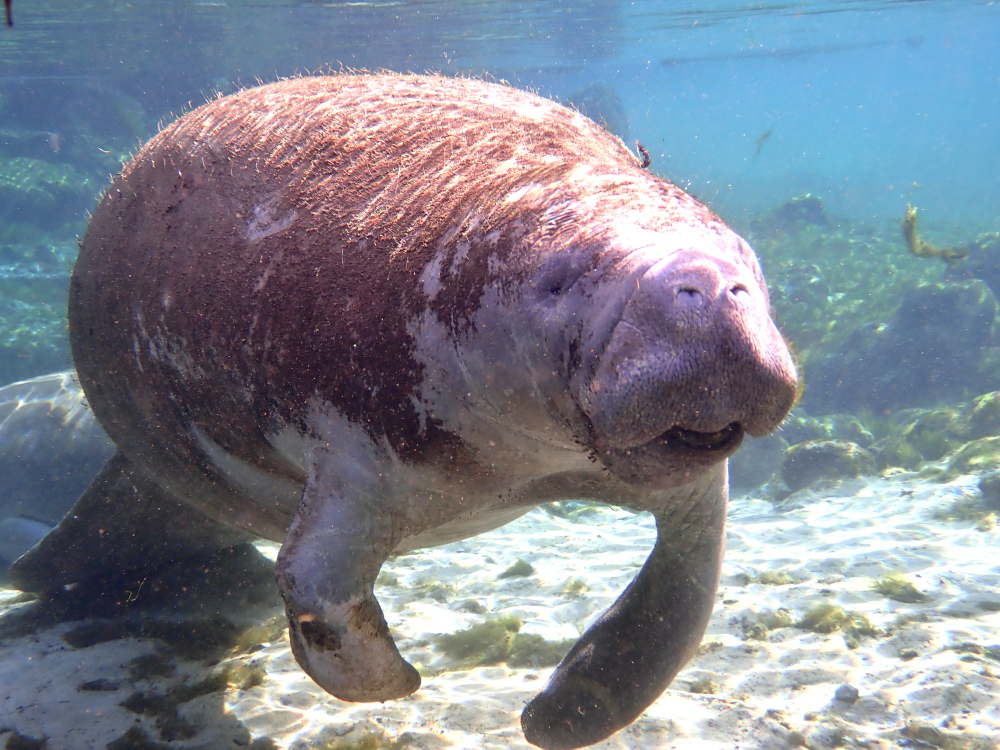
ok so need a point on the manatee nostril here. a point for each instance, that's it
(738, 290)
(690, 297)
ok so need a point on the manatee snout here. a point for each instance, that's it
(694, 361)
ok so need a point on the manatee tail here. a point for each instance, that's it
(123, 529)
(629, 656)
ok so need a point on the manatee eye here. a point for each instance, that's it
(558, 275)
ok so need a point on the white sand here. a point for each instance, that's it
(770, 693)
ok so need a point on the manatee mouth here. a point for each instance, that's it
(721, 440)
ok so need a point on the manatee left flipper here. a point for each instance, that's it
(123, 529)
(629, 656)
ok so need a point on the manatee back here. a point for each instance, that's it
(265, 251)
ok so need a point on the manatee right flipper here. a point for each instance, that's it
(629, 656)
(123, 529)
(326, 574)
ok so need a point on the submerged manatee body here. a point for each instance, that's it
(51, 447)
(366, 314)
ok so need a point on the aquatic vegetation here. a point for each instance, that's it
(987, 522)
(828, 281)
(431, 588)
(366, 741)
(43, 194)
(757, 629)
(898, 587)
(774, 578)
(500, 641)
(858, 627)
(164, 706)
(575, 587)
(150, 665)
(823, 618)
(532, 650)
(800, 427)
(923, 249)
(981, 417)
(824, 459)
(704, 685)
(826, 617)
(780, 618)
(971, 647)
(253, 637)
(519, 569)
(385, 578)
(791, 216)
(473, 606)
(965, 508)
(482, 644)
(932, 736)
(976, 456)
(929, 351)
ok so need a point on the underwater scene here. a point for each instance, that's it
(372, 374)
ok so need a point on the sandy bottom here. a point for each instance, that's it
(923, 672)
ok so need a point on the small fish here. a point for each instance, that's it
(762, 139)
(923, 249)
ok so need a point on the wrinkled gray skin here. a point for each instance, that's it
(368, 314)
(51, 448)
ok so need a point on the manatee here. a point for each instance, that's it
(366, 314)
(51, 447)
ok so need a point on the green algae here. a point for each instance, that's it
(780, 618)
(483, 644)
(431, 588)
(387, 579)
(823, 618)
(532, 650)
(499, 641)
(774, 578)
(366, 741)
(473, 606)
(704, 686)
(575, 588)
(519, 569)
(898, 587)
(933, 736)
(826, 617)
(758, 629)
(859, 627)
(980, 455)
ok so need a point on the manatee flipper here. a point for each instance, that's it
(122, 529)
(629, 656)
(326, 574)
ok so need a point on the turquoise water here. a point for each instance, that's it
(809, 127)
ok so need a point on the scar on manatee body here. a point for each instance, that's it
(923, 249)
(646, 161)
